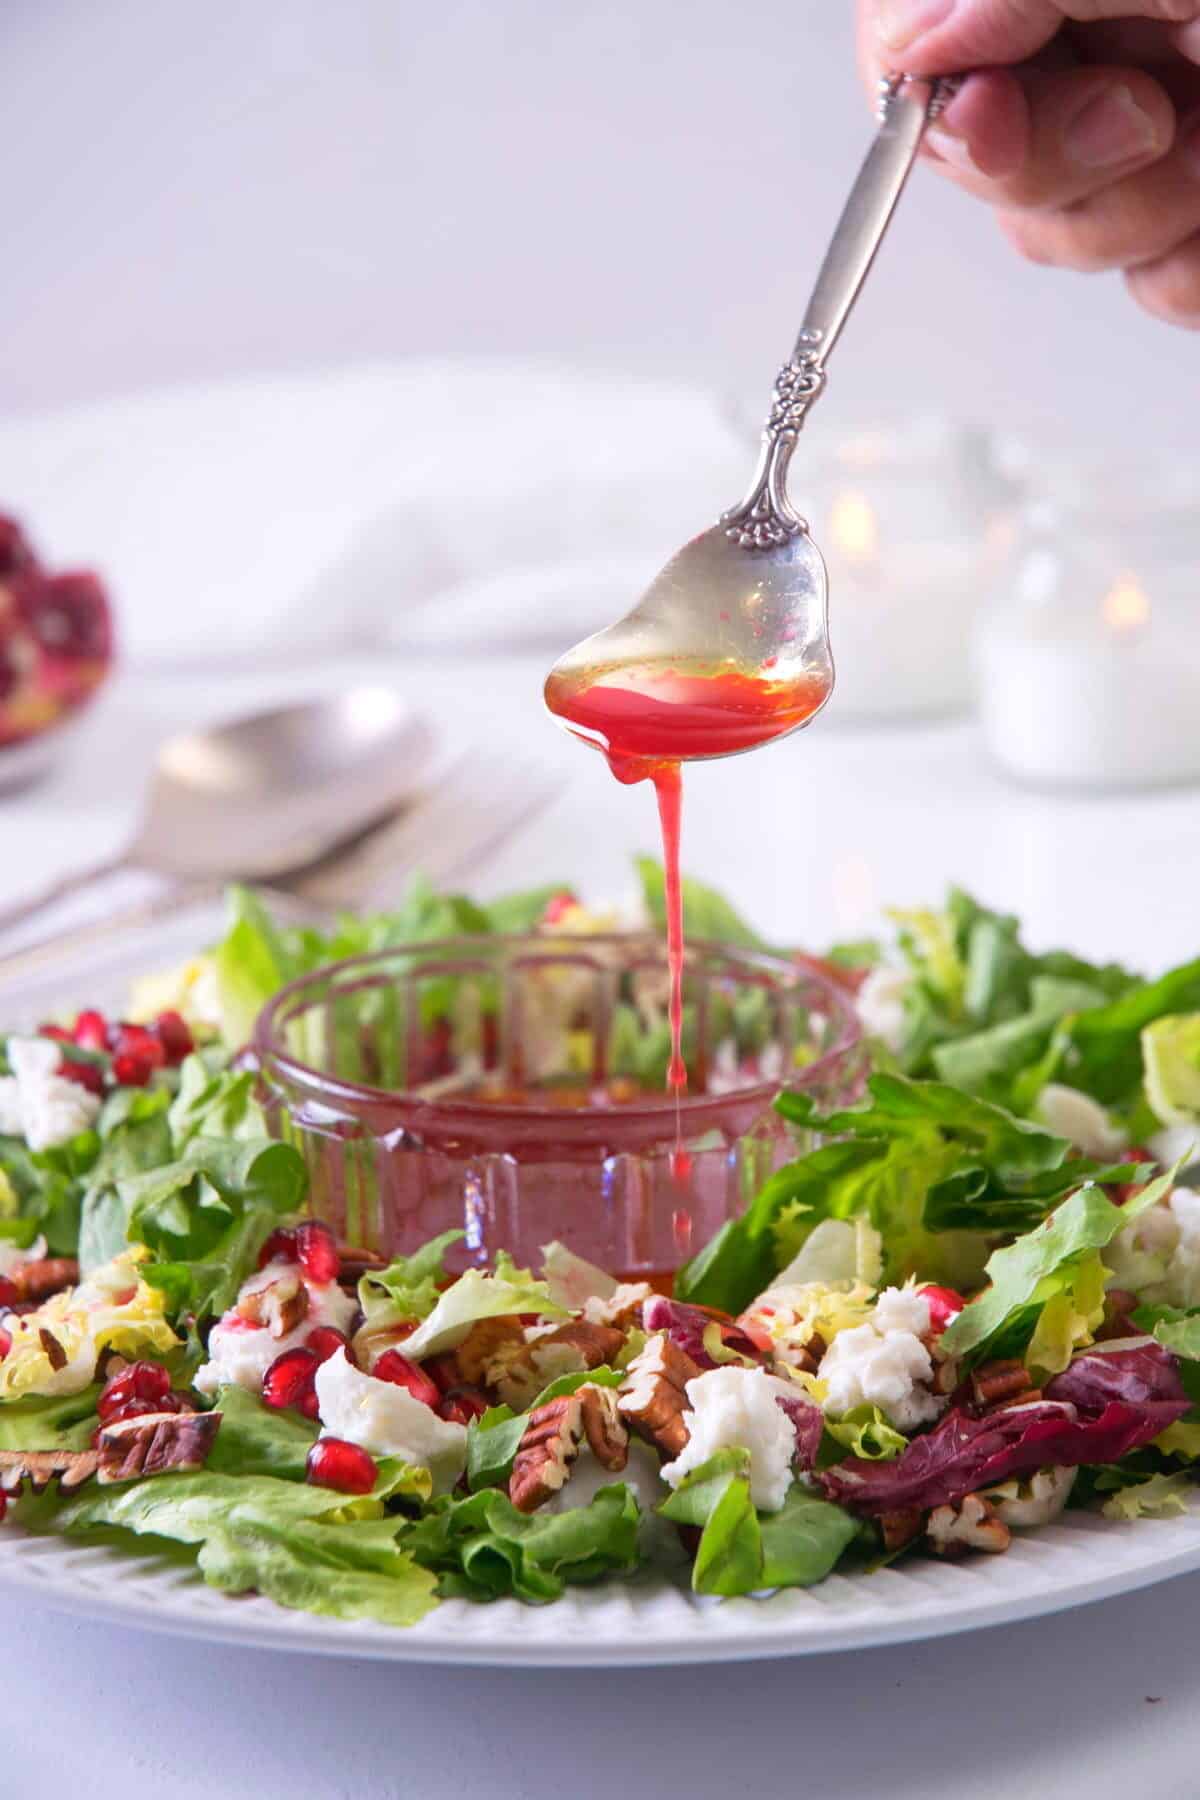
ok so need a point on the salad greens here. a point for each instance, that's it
(906, 1315)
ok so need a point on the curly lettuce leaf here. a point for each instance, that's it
(1157, 1497)
(408, 1287)
(864, 1431)
(494, 1439)
(303, 1546)
(482, 1548)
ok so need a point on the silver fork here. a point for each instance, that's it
(479, 803)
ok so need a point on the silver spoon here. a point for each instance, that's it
(259, 797)
(751, 592)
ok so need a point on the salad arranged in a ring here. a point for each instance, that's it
(971, 1301)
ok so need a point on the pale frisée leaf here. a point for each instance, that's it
(408, 1287)
(475, 1296)
(1087, 1220)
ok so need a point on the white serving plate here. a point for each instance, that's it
(648, 1620)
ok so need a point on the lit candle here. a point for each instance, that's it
(1100, 695)
(900, 614)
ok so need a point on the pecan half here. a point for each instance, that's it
(37, 1281)
(547, 1450)
(652, 1398)
(603, 1426)
(56, 1356)
(487, 1340)
(970, 1524)
(520, 1374)
(155, 1442)
(622, 1309)
(995, 1385)
(900, 1528)
(279, 1308)
(39, 1467)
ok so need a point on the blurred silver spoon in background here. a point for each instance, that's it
(750, 594)
(256, 798)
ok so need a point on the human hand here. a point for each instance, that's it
(1081, 127)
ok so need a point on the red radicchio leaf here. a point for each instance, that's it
(1091, 1414)
(808, 1422)
(686, 1325)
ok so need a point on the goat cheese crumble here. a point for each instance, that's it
(884, 1363)
(239, 1354)
(880, 1001)
(37, 1103)
(1158, 1255)
(387, 1420)
(1081, 1120)
(737, 1408)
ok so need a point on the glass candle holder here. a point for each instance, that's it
(1089, 658)
(513, 1089)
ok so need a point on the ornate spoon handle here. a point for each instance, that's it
(906, 106)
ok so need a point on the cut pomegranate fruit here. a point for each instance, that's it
(16, 552)
(335, 1463)
(317, 1251)
(5, 1343)
(174, 1034)
(324, 1341)
(67, 614)
(85, 1075)
(461, 1405)
(944, 1304)
(141, 1381)
(91, 1030)
(289, 1382)
(395, 1367)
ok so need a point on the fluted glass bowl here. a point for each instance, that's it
(514, 1088)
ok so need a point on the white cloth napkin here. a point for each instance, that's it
(439, 504)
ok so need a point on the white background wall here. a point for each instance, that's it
(193, 189)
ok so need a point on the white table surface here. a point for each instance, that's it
(811, 839)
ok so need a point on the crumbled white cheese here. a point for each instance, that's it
(12, 1259)
(37, 1103)
(880, 1002)
(883, 1363)
(387, 1420)
(623, 1299)
(734, 1407)
(1158, 1256)
(1081, 1120)
(239, 1355)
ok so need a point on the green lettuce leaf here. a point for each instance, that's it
(1157, 1497)
(408, 1287)
(1086, 1221)
(864, 1431)
(1102, 1052)
(1171, 1057)
(258, 1440)
(477, 1296)
(215, 1102)
(304, 1547)
(742, 1551)
(39, 1422)
(482, 1548)
(709, 915)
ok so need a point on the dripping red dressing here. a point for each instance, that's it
(648, 719)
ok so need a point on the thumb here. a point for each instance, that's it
(941, 37)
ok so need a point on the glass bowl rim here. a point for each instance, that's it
(839, 1008)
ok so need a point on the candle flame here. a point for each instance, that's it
(1126, 606)
(854, 528)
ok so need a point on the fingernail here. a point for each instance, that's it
(899, 23)
(954, 150)
(1111, 129)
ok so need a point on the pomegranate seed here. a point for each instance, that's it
(136, 1040)
(325, 1342)
(173, 1033)
(393, 1366)
(317, 1251)
(84, 1075)
(279, 1247)
(444, 1371)
(5, 1343)
(59, 1033)
(462, 1405)
(944, 1304)
(91, 1030)
(141, 1381)
(289, 1381)
(558, 906)
(334, 1463)
(9, 1293)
